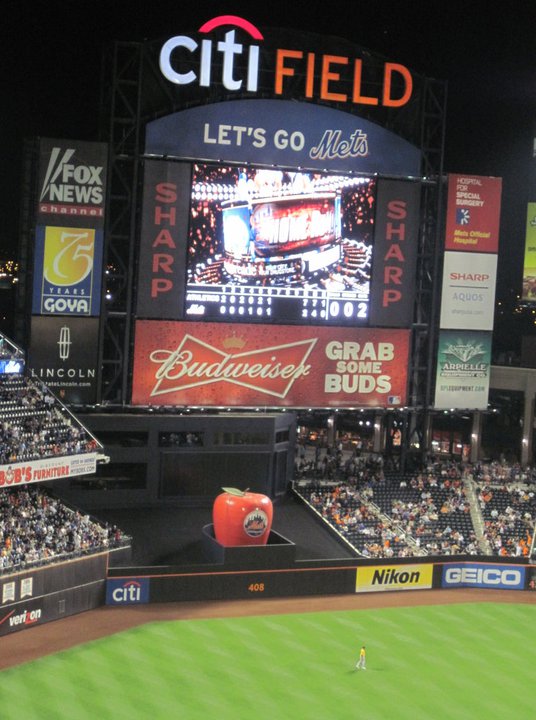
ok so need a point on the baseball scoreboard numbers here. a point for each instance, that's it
(279, 246)
(276, 246)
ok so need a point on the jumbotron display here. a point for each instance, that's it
(279, 246)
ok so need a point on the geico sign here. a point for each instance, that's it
(324, 77)
(483, 576)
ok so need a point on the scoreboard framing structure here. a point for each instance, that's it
(278, 108)
(273, 225)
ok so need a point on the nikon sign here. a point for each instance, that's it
(398, 577)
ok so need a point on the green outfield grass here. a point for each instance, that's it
(441, 662)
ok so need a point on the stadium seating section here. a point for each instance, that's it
(445, 509)
(35, 526)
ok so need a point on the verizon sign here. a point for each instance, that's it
(209, 364)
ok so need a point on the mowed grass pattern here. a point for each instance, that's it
(442, 662)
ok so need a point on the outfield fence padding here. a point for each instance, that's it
(49, 592)
(172, 584)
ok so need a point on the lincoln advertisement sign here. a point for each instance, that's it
(221, 364)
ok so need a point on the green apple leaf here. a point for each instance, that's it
(234, 491)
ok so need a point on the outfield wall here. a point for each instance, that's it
(127, 586)
(50, 592)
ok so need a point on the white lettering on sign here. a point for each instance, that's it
(323, 77)
(483, 576)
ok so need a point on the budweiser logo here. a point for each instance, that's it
(271, 370)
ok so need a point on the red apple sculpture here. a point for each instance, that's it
(242, 518)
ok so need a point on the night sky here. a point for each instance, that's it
(50, 57)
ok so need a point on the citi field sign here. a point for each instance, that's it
(219, 56)
(252, 101)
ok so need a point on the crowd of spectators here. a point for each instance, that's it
(434, 509)
(359, 521)
(447, 508)
(509, 514)
(37, 528)
(333, 463)
(34, 425)
(502, 472)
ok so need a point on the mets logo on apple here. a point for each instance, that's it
(256, 523)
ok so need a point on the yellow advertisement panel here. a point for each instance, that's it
(529, 268)
(394, 577)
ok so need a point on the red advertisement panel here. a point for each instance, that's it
(395, 253)
(473, 213)
(164, 224)
(222, 364)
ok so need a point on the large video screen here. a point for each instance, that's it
(279, 246)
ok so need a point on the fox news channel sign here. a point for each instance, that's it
(72, 183)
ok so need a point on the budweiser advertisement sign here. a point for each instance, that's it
(220, 364)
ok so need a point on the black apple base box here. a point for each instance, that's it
(279, 552)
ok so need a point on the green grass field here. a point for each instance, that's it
(455, 662)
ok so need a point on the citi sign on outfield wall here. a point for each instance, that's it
(127, 591)
(222, 364)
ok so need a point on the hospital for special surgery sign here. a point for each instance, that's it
(473, 213)
(220, 364)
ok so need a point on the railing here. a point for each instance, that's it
(125, 542)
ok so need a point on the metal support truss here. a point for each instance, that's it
(121, 128)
